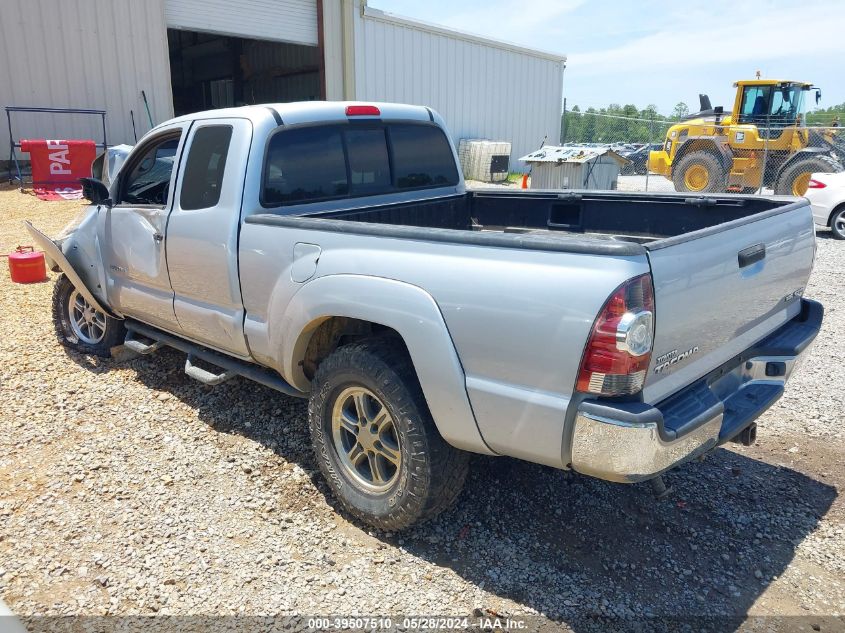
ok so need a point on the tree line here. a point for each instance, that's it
(617, 124)
(629, 124)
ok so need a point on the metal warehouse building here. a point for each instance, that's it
(190, 55)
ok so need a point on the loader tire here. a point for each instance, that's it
(375, 441)
(81, 327)
(700, 172)
(793, 180)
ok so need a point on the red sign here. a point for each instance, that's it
(57, 167)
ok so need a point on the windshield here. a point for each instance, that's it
(786, 104)
(776, 105)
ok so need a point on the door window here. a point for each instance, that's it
(755, 103)
(205, 167)
(148, 181)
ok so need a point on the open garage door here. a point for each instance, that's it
(292, 21)
(219, 71)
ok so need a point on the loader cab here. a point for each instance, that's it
(770, 105)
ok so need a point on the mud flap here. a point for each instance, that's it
(54, 254)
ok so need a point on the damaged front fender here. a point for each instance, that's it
(91, 287)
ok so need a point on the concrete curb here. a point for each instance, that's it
(8, 622)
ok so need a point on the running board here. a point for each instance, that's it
(231, 366)
(206, 377)
(139, 347)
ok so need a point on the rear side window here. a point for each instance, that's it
(337, 161)
(305, 164)
(205, 167)
(422, 157)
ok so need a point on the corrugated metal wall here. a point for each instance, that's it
(95, 54)
(333, 48)
(292, 21)
(483, 89)
(600, 173)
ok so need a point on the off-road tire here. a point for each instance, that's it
(823, 164)
(717, 176)
(431, 472)
(837, 223)
(114, 333)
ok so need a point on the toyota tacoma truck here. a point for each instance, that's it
(331, 251)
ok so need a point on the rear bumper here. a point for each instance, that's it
(635, 441)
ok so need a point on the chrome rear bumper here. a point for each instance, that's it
(630, 442)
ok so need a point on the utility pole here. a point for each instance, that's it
(563, 131)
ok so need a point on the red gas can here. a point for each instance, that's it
(26, 265)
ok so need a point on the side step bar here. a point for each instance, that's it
(205, 376)
(138, 346)
(231, 366)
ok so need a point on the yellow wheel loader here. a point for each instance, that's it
(762, 142)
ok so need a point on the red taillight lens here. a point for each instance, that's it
(362, 110)
(619, 350)
(815, 184)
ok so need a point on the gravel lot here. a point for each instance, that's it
(127, 489)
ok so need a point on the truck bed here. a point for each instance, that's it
(600, 217)
(727, 270)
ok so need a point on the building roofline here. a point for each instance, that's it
(384, 16)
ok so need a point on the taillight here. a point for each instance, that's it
(815, 184)
(619, 350)
(362, 110)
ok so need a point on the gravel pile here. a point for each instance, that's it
(126, 488)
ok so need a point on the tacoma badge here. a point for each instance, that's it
(665, 361)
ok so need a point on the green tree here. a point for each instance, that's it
(613, 124)
(588, 134)
(826, 116)
(680, 111)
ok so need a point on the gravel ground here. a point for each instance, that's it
(128, 489)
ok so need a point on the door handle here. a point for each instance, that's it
(751, 255)
(158, 237)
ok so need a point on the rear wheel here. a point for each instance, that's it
(700, 172)
(375, 441)
(837, 223)
(81, 326)
(795, 178)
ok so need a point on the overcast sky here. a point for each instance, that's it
(660, 52)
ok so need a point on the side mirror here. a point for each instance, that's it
(95, 191)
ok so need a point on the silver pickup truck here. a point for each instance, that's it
(330, 251)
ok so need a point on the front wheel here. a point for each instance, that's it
(79, 325)
(374, 438)
(700, 172)
(837, 224)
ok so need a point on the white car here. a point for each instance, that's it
(826, 193)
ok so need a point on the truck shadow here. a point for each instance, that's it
(572, 548)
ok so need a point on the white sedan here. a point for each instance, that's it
(826, 193)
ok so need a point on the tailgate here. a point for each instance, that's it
(720, 290)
